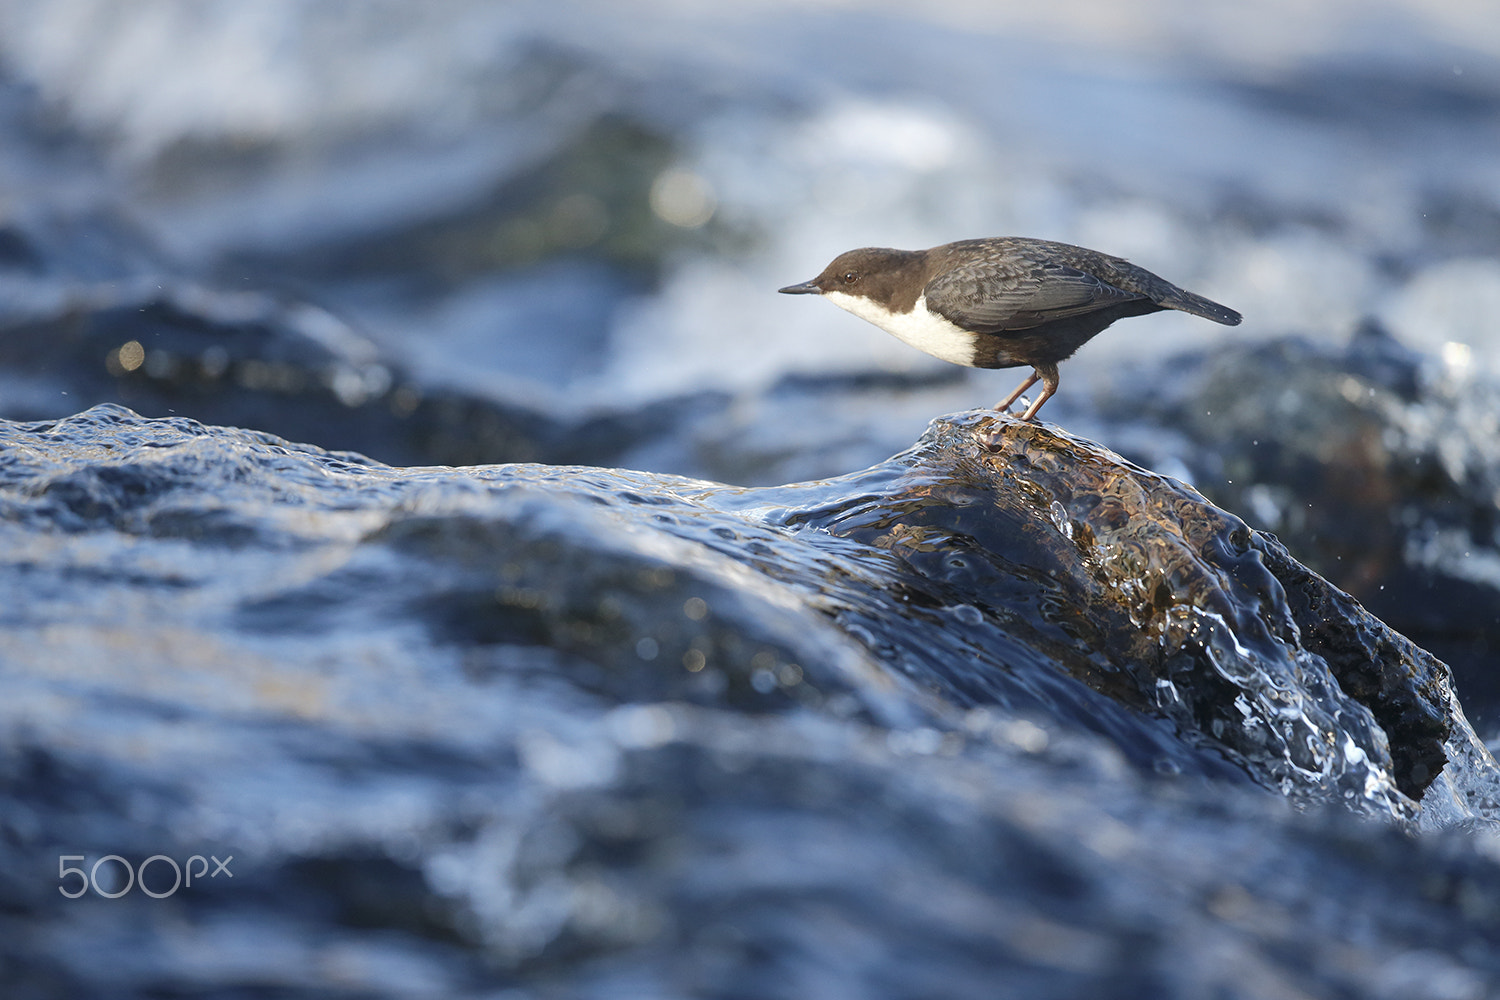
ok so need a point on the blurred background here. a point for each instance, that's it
(462, 231)
(586, 207)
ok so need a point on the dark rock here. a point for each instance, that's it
(1378, 471)
(1144, 591)
(1407, 691)
(251, 361)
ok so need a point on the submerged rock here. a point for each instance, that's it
(1143, 590)
(251, 360)
(1378, 469)
(1003, 706)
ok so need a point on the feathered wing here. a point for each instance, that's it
(1001, 296)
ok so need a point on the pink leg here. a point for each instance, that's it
(1048, 375)
(1004, 404)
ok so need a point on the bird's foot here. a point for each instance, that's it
(1004, 409)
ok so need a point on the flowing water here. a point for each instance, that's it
(1004, 714)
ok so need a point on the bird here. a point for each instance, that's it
(1000, 302)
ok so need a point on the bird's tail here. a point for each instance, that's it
(1186, 301)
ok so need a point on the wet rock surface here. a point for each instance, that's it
(1169, 603)
(1376, 466)
(1004, 707)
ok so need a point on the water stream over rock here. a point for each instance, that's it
(1004, 702)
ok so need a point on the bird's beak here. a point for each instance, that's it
(806, 288)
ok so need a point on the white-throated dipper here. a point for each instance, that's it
(1001, 302)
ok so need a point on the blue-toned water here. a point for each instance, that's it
(525, 725)
(577, 696)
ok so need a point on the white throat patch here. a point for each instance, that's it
(926, 331)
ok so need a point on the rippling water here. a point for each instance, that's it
(1004, 713)
(546, 725)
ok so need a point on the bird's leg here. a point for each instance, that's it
(1048, 374)
(1031, 380)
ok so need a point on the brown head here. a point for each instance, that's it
(891, 278)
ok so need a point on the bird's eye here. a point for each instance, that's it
(850, 277)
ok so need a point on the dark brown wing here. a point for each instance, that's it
(1018, 293)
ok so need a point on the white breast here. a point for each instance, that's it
(921, 329)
